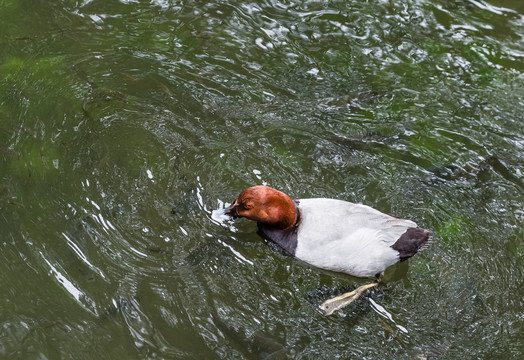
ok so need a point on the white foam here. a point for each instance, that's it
(220, 216)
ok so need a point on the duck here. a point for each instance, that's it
(331, 234)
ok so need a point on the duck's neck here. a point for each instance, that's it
(284, 215)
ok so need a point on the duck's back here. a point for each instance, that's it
(353, 238)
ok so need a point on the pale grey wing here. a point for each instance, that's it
(351, 238)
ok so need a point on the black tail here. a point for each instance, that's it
(411, 242)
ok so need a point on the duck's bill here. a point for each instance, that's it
(231, 210)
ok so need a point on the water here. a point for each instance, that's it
(124, 124)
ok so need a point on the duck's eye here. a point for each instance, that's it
(248, 205)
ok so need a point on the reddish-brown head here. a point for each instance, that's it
(265, 205)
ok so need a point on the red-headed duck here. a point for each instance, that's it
(331, 234)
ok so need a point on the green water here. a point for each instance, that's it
(123, 123)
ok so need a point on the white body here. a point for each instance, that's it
(351, 238)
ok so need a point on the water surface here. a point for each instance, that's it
(124, 123)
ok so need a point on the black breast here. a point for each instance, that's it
(287, 240)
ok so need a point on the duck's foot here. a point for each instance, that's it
(336, 303)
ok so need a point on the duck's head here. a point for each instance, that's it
(265, 205)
